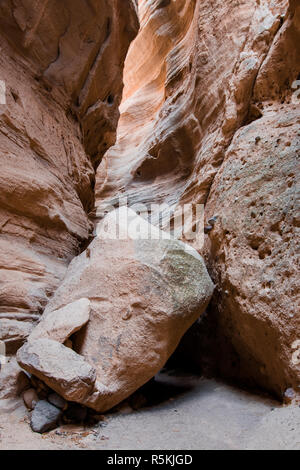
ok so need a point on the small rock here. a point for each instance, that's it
(289, 395)
(41, 388)
(57, 401)
(30, 398)
(44, 417)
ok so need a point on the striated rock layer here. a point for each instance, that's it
(62, 65)
(210, 115)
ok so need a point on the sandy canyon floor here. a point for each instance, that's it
(186, 412)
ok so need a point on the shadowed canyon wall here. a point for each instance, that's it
(62, 64)
(209, 115)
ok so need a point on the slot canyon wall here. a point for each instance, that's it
(209, 116)
(62, 64)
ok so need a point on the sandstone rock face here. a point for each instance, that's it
(144, 295)
(44, 417)
(252, 251)
(13, 380)
(59, 367)
(62, 66)
(210, 115)
(60, 324)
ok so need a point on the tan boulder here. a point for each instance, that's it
(14, 333)
(62, 323)
(144, 294)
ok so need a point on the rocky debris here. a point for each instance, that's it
(58, 413)
(144, 295)
(44, 417)
(62, 369)
(41, 388)
(57, 401)
(30, 398)
(62, 323)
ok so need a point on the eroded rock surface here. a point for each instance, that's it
(189, 77)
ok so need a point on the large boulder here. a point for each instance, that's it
(144, 295)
